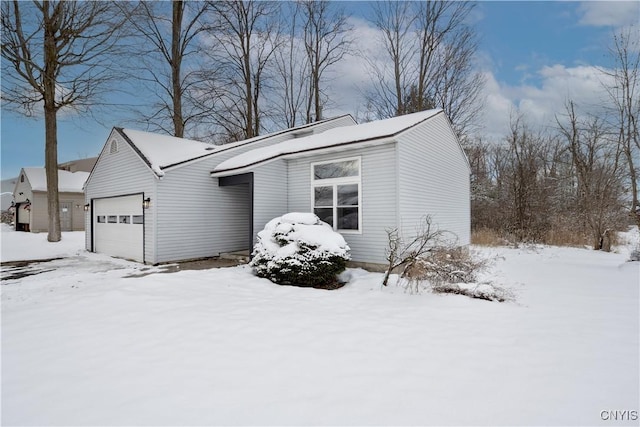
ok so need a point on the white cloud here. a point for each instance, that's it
(541, 102)
(539, 98)
(609, 13)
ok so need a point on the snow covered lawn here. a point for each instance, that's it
(85, 345)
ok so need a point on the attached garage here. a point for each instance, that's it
(118, 226)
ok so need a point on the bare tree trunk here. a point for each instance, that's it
(176, 65)
(50, 122)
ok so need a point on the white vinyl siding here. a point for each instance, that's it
(197, 218)
(270, 193)
(119, 174)
(434, 179)
(378, 196)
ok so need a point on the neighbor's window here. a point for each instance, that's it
(336, 193)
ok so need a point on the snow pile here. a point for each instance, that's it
(486, 291)
(22, 246)
(298, 248)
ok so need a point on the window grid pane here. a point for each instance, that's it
(344, 169)
(323, 196)
(347, 218)
(348, 195)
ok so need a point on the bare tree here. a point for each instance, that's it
(596, 158)
(292, 72)
(406, 254)
(327, 41)
(54, 58)
(248, 34)
(395, 22)
(430, 48)
(624, 92)
(169, 47)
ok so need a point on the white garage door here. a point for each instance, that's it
(118, 227)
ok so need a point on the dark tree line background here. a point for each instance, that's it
(221, 71)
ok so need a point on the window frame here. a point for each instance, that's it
(334, 183)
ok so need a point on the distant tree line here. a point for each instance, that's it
(576, 183)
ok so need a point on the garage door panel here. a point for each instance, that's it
(118, 225)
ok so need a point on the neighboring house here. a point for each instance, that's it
(6, 193)
(79, 165)
(31, 207)
(361, 179)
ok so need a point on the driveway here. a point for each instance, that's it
(16, 270)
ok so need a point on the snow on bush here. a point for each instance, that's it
(299, 249)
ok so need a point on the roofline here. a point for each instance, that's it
(256, 139)
(365, 143)
(375, 138)
(135, 148)
(24, 172)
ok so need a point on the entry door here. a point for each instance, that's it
(65, 216)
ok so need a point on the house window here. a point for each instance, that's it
(137, 219)
(112, 219)
(335, 188)
(102, 219)
(21, 178)
(114, 147)
(125, 219)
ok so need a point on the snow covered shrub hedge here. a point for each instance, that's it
(299, 249)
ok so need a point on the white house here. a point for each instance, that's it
(155, 198)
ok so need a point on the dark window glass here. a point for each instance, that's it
(347, 218)
(125, 219)
(112, 219)
(137, 219)
(102, 219)
(348, 195)
(336, 170)
(323, 196)
(325, 214)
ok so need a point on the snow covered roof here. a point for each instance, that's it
(162, 151)
(376, 130)
(68, 182)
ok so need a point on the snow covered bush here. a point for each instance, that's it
(299, 249)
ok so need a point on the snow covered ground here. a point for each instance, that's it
(83, 344)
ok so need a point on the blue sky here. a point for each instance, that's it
(534, 55)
